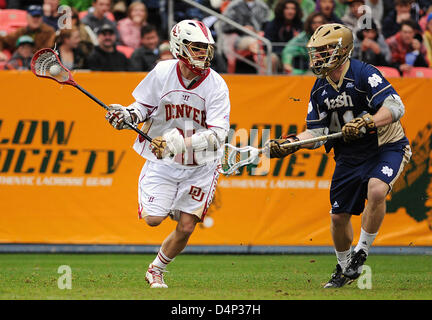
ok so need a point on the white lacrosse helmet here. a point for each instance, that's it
(192, 42)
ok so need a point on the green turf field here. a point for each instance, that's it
(210, 277)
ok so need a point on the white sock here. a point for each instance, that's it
(365, 241)
(161, 261)
(343, 258)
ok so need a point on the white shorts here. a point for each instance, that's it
(163, 188)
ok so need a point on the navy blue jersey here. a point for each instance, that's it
(362, 90)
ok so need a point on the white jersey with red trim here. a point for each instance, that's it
(166, 100)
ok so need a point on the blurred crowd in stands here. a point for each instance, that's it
(125, 35)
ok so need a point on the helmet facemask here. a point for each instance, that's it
(196, 55)
(327, 58)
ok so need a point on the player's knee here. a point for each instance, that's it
(377, 190)
(340, 220)
(153, 221)
(186, 228)
(187, 225)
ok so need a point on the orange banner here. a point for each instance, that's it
(66, 176)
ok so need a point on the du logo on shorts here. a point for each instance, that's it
(196, 193)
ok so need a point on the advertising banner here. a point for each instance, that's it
(66, 176)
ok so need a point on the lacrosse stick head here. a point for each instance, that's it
(235, 158)
(46, 64)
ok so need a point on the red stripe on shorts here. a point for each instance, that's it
(211, 192)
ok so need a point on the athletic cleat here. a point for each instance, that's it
(154, 277)
(354, 268)
(337, 280)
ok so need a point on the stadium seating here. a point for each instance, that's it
(127, 51)
(418, 72)
(12, 19)
(389, 72)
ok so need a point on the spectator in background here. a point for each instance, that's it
(183, 11)
(70, 55)
(130, 28)
(340, 8)
(251, 14)
(146, 56)
(80, 5)
(326, 7)
(96, 18)
(424, 7)
(286, 24)
(165, 51)
(388, 5)
(353, 14)
(427, 39)
(295, 57)
(392, 21)
(377, 11)
(423, 20)
(105, 56)
(119, 10)
(307, 6)
(406, 48)
(370, 47)
(22, 56)
(154, 12)
(50, 13)
(42, 34)
(87, 36)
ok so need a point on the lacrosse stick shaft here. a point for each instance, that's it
(103, 105)
(317, 139)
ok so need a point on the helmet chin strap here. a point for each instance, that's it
(195, 70)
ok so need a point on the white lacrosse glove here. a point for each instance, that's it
(210, 139)
(117, 115)
(174, 141)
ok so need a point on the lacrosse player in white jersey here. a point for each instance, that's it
(185, 109)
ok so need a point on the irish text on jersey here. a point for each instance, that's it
(342, 100)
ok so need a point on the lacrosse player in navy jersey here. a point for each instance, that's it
(352, 97)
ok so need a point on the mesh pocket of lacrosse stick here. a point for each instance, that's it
(235, 157)
(46, 64)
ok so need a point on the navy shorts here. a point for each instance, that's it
(348, 191)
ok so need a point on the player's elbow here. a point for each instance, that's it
(395, 105)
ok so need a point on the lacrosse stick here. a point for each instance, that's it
(46, 64)
(235, 157)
